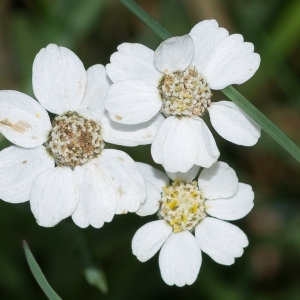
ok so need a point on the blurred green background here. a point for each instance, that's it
(270, 266)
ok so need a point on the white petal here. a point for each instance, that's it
(149, 238)
(92, 105)
(130, 135)
(133, 61)
(97, 196)
(154, 176)
(80, 216)
(151, 204)
(132, 101)
(186, 177)
(58, 79)
(23, 121)
(233, 208)
(222, 241)
(207, 150)
(174, 54)
(125, 177)
(54, 196)
(233, 124)
(218, 181)
(175, 146)
(180, 259)
(206, 35)
(155, 181)
(19, 167)
(232, 61)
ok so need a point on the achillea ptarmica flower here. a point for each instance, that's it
(186, 206)
(176, 81)
(63, 168)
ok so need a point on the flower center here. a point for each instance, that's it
(182, 205)
(184, 93)
(74, 140)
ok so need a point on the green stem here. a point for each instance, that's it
(267, 125)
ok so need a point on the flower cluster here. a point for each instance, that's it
(64, 168)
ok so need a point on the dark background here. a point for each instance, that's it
(270, 266)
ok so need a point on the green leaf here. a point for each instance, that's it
(267, 125)
(38, 274)
(147, 19)
(96, 277)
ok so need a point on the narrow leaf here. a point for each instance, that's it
(147, 19)
(96, 277)
(267, 125)
(38, 274)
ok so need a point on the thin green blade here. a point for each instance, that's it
(38, 274)
(267, 125)
(147, 19)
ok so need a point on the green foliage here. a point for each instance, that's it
(269, 267)
(38, 274)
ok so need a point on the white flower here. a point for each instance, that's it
(88, 182)
(176, 81)
(185, 206)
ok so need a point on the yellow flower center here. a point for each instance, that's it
(182, 205)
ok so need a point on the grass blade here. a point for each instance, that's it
(38, 274)
(267, 125)
(147, 19)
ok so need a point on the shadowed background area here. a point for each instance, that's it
(270, 266)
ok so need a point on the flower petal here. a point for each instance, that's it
(155, 181)
(97, 197)
(92, 105)
(23, 121)
(133, 61)
(180, 259)
(220, 240)
(174, 54)
(19, 167)
(233, 124)
(233, 208)
(175, 146)
(54, 196)
(149, 238)
(218, 181)
(151, 204)
(206, 35)
(207, 150)
(186, 177)
(58, 79)
(154, 176)
(132, 101)
(130, 135)
(232, 61)
(80, 216)
(125, 177)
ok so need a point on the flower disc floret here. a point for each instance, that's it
(74, 140)
(184, 93)
(182, 205)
